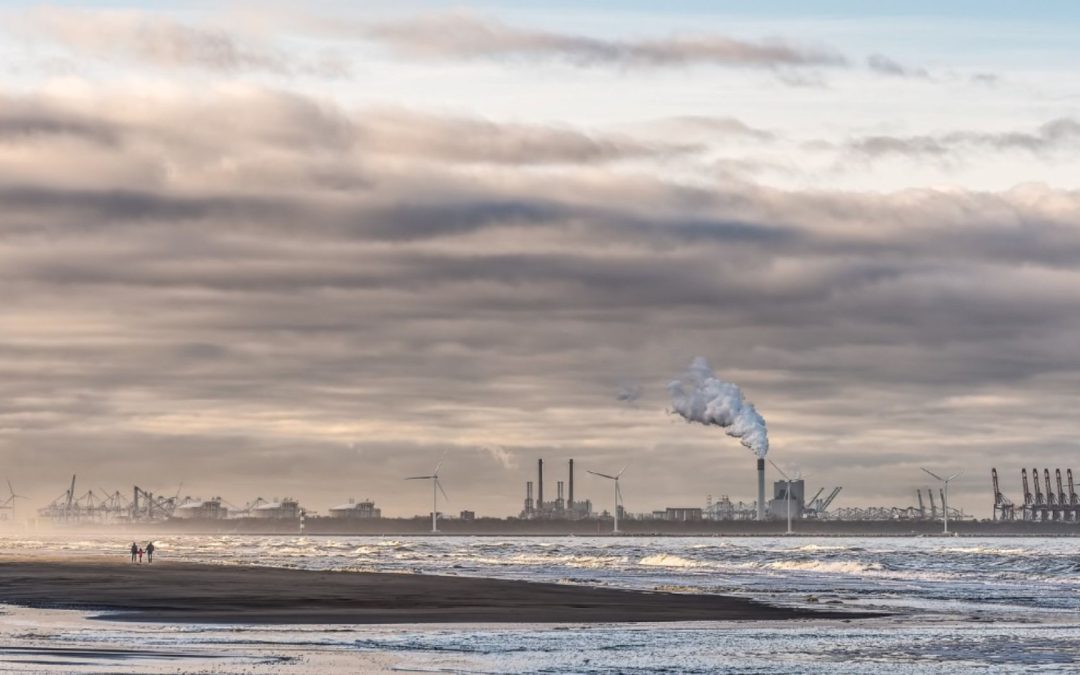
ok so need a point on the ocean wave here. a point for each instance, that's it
(990, 550)
(817, 548)
(667, 560)
(828, 566)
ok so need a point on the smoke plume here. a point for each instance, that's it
(628, 393)
(698, 396)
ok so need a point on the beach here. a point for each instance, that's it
(243, 604)
(169, 591)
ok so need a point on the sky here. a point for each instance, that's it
(307, 249)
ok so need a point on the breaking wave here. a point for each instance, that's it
(826, 566)
(667, 560)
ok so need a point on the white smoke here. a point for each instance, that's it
(698, 396)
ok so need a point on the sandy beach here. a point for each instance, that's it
(188, 592)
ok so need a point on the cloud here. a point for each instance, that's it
(724, 127)
(234, 303)
(464, 36)
(1057, 135)
(884, 65)
(986, 79)
(155, 40)
(22, 120)
(458, 139)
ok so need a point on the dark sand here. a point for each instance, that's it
(188, 592)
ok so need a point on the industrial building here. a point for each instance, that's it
(356, 510)
(563, 507)
(682, 514)
(725, 509)
(201, 509)
(277, 509)
(783, 503)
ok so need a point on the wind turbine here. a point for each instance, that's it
(10, 503)
(945, 506)
(618, 493)
(436, 487)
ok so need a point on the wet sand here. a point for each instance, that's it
(188, 592)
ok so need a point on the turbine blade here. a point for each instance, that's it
(618, 491)
(10, 489)
(439, 465)
(954, 475)
(779, 469)
(439, 485)
(623, 469)
(602, 475)
(419, 477)
(933, 474)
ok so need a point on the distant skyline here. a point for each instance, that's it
(303, 249)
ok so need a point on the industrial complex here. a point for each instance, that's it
(1048, 497)
(1039, 506)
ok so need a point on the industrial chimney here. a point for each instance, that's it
(540, 485)
(761, 488)
(570, 496)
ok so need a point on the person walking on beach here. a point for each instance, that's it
(149, 551)
(140, 554)
(134, 551)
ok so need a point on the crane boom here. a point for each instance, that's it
(830, 498)
(71, 493)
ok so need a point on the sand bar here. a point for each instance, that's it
(189, 592)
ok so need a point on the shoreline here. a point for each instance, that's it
(181, 592)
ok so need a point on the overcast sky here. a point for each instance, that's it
(271, 250)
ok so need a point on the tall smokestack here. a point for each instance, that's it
(761, 489)
(540, 484)
(570, 497)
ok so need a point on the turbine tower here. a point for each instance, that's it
(618, 493)
(945, 495)
(436, 488)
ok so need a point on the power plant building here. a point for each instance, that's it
(563, 507)
(778, 505)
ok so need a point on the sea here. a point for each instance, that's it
(956, 605)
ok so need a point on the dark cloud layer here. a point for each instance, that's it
(1058, 135)
(468, 36)
(319, 301)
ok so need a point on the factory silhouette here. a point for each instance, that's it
(1051, 506)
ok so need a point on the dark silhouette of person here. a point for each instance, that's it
(140, 554)
(134, 551)
(150, 552)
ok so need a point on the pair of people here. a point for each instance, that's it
(138, 551)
